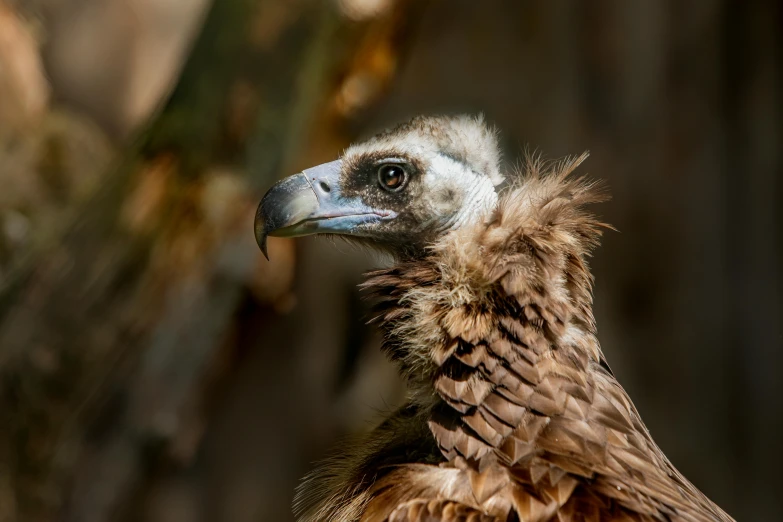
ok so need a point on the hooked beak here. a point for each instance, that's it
(311, 203)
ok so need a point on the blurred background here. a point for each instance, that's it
(154, 367)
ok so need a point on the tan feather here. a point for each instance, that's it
(514, 414)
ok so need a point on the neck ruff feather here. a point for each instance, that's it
(529, 256)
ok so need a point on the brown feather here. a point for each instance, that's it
(495, 332)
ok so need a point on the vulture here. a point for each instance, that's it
(512, 412)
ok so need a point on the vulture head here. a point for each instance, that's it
(400, 190)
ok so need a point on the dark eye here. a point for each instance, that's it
(392, 177)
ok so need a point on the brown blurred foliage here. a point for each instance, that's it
(154, 367)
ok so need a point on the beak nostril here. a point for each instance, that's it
(325, 186)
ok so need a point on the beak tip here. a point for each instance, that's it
(262, 245)
(260, 231)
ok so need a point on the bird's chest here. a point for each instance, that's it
(533, 493)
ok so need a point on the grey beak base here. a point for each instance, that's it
(312, 202)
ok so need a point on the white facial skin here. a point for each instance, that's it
(454, 194)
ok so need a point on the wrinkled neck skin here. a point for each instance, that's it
(476, 197)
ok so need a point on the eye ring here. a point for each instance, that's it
(392, 177)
